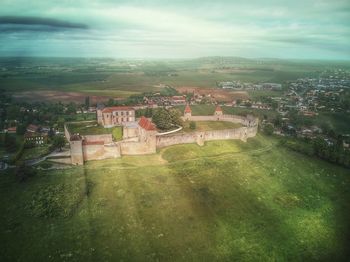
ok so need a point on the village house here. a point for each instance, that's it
(178, 100)
(35, 135)
(32, 128)
(35, 138)
(12, 130)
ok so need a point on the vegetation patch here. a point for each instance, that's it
(209, 125)
(92, 128)
(57, 200)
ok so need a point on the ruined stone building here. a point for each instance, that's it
(114, 116)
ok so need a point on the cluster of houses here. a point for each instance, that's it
(36, 135)
(238, 85)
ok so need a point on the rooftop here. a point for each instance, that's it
(146, 124)
(218, 109)
(188, 109)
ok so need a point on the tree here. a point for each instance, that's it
(58, 142)
(268, 129)
(21, 129)
(274, 105)
(51, 133)
(13, 112)
(60, 122)
(110, 102)
(87, 102)
(175, 115)
(71, 108)
(23, 172)
(10, 142)
(162, 119)
(193, 125)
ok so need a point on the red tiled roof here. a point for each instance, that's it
(116, 108)
(32, 128)
(12, 129)
(146, 124)
(218, 109)
(93, 142)
(188, 109)
(178, 98)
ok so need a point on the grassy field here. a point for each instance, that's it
(209, 125)
(92, 128)
(226, 201)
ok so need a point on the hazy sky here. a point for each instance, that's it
(318, 29)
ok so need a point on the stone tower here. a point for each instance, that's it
(76, 150)
(187, 112)
(218, 112)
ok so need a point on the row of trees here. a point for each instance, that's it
(319, 147)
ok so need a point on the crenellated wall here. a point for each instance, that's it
(246, 121)
(241, 133)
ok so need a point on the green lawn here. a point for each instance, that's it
(92, 128)
(209, 125)
(225, 201)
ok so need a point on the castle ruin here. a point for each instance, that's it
(142, 137)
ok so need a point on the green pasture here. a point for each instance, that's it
(225, 201)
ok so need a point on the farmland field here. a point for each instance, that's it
(226, 201)
(72, 79)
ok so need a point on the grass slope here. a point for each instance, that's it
(226, 201)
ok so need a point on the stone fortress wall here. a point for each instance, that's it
(241, 133)
(142, 138)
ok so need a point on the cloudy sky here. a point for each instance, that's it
(316, 29)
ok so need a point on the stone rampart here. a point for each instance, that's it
(246, 121)
(199, 137)
(106, 138)
(98, 151)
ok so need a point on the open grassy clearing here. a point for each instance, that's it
(92, 128)
(209, 125)
(225, 201)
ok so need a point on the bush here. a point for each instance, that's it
(24, 172)
(268, 129)
(193, 125)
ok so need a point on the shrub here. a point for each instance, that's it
(192, 125)
(268, 129)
